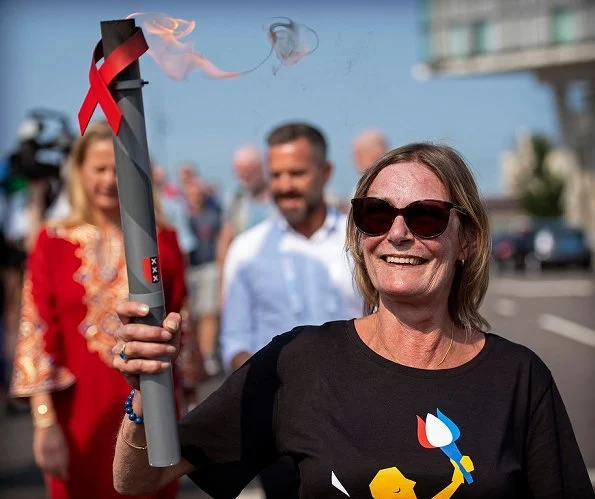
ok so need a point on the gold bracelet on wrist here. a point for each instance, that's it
(44, 423)
(130, 444)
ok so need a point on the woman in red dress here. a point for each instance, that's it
(76, 275)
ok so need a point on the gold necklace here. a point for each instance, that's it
(452, 330)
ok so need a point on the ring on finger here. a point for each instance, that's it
(122, 352)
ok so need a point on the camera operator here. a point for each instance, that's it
(37, 160)
(30, 184)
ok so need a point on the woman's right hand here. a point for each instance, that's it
(51, 451)
(145, 346)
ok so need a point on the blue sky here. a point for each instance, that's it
(358, 78)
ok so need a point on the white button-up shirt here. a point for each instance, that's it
(275, 279)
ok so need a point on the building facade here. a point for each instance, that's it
(487, 36)
(553, 39)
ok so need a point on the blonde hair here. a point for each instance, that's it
(77, 197)
(471, 279)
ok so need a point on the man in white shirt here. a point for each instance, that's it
(289, 270)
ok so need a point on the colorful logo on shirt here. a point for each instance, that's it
(440, 432)
(436, 432)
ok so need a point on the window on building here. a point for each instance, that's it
(564, 25)
(481, 38)
(459, 41)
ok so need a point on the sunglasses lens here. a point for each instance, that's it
(373, 216)
(427, 218)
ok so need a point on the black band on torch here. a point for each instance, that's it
(128, 84)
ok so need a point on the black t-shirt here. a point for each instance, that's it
(360, 426)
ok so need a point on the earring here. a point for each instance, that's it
(462, 262)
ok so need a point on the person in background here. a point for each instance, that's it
(251, 203)
(415, 399)
(368, 146)
(76, 274)
(187, 170)
(290, 269)
(175, 211)
(16, 228)
(169, 198)
(202, 275)
(30, 186)
(167, 189)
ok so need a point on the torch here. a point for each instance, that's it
(117, 88)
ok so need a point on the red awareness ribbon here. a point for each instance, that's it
(99, 79)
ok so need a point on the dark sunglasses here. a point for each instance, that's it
(426, 218)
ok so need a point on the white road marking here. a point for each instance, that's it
(542, 288)
(505, 307)
(568, 329)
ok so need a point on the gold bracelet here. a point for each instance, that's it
(130, 444)
(44, 423)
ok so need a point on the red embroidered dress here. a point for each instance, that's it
(75, 278)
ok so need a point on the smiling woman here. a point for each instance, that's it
(94, 187)
(415, 398)
(454, 187)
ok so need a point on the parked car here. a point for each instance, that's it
(542, 245)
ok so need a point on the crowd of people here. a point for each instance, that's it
(374, 336)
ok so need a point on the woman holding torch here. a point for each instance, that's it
(415, 398)
(63, 363)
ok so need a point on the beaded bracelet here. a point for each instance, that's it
(128, 409)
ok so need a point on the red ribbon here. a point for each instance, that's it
(99, 79)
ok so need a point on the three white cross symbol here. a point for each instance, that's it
(154, 269)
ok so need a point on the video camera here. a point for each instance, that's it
(45, 140)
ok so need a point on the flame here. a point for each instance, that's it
(178, 58)
(421, 434)
(437, 432)
(452, 427)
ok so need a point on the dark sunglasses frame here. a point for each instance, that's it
(446, 206)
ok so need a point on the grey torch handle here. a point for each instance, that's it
(140, 241)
